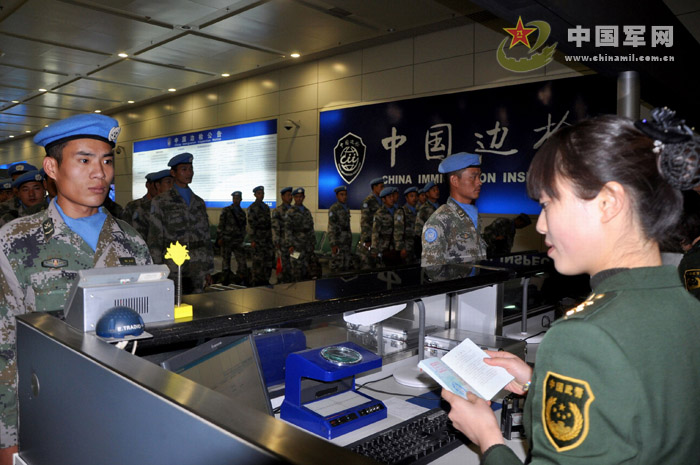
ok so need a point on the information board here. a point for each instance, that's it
(226, 159)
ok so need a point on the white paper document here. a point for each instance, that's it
(463, 370)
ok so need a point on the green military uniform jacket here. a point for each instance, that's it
(423, 214)
(369, 208)
(339, 233)
(617, 379)
(171, 221)
(449, 236)
(136, 214)
(18, 210)
(404, 228)
(39, 260)
(383, 231)
(689, 270)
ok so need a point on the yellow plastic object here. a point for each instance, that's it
(183, 311)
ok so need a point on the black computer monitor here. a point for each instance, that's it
(229, 365)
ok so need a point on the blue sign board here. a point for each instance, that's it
(405, 141)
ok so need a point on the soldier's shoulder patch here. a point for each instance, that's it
(364, 205)
(399, 215)
(430, 235)
(330, 213)
(691, 279)
(566, 403)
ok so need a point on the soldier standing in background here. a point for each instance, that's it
(405, 226)
(279, 215)
(260, 234)
(421, 198)
(136, 211)
(432, 194)
(5, 189)
(181, 215)
(30, 196)
(300, 238)
(15, 171)
(230, 235)
(500, 234)
(371, 204)
(451, 234)
(339, 233)
(383, 231)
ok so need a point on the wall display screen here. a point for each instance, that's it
(405, 141)
(227, 159)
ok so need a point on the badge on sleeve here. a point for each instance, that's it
(691, 279)
(565, 407)
(430, 235)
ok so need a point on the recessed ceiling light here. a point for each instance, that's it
(225, 75)
(123, 55)
(43, 90)
(172, 89)
(130, 101)
(15, 101)
(98, 111)
(295, 55)
(12, 137)
(27, 131)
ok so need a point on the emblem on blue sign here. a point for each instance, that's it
(430, 235)
(349, 156)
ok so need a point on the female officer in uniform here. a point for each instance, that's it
(616, 380)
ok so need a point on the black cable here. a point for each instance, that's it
(357, 388)
(541, 332)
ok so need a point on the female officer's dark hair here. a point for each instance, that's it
(608, 148)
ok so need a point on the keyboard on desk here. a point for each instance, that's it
(419, 440)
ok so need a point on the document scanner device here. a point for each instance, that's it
(145, 289)
(320, 393)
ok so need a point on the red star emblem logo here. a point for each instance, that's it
(519, 33)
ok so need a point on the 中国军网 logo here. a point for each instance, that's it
(520, 34)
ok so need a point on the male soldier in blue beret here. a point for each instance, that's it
(40, 254)
(370, 205)
(339, 232)
(136, 211)
(260, 234)
(451, 234)
(300, 239)
(30, 196)
(180, 215)
(421, 198)
(230, 235)
(5, 189)
(383, 230)
(279, 215)
(405, 226)
(15, 171)
(18, 169)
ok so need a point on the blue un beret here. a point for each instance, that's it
(375, 181)
(239, 193)
(179, 159)
(20, 168)
(340, 189)
(149, 177)
(409, 190)
(386, 191)
(158, 175)
(428, 186)
(27, 177)
(257, 188)
(85, 126)
(458, 161)
(299, 190)
(5, 184)
(286, 189)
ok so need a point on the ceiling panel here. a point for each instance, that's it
(159, 77)
(114, 91)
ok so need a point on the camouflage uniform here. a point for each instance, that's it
(369, 207)
(278, 223)
(231, 231)
(260, 232)
(424, 212)
(449, 236)
(340, 235)
(18, 210)
(299, 233)
(39, 260)
(404, 231)
(172, 220)
(383, 236)
(501, 227)
(136, 214)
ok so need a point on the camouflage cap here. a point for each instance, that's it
(84, 126)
